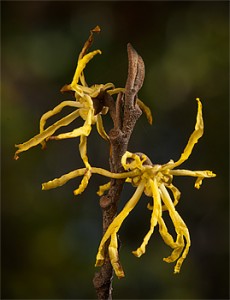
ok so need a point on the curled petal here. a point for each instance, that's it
(84, 183)
(133, 161)
(181, 230)
(199, 174)
(100, 128)
(154, 218)
(39, 138)
(115, 91)
(176, 195)
(84, 130)
(198, 182)
(81, 65)
(146, 110)
(81, 131)
(89, 42)
(204, 174)
(117, 222)
(109, 174)
(56, 110)
(108, 86)
(94, 90)
(63, 179)
(166, 236)
(176, 254)
(114, 257)
(197, 133)
(83, 150)
(179, 245)
(103, 188)
(76, 173)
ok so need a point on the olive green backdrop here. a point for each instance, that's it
(50, 238)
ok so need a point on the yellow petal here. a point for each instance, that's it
(197, 133)
(84, 183)
(81, 65)
(89, 42)
(178, 248)
(115, 91)
(63, 179)
(79, 172)
(114, 257)
(154, 218)
(146, 110)
(176, 195)
(131, 161)
(166, 236)
(117, 222)
(54, 111)
(199, 174)
(84, 130)
(83, 150)
(39, 138)
(101, 129)
(181, 230)
(103, 188)
(205, 173)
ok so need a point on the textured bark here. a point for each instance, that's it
(124, 114)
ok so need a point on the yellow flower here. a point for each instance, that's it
(153, 180)
(156, 182)
(84, 107)
(84, 103)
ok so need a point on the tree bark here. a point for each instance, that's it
(124, 113)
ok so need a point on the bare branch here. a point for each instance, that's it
(124, 115)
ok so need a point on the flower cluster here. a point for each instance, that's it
(87, 105)
(156, 182)
(152, 179)
(83, 107)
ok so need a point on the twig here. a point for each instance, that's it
(124, 113)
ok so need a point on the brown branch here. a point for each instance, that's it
(124, 114)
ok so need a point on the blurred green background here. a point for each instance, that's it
(50, 238)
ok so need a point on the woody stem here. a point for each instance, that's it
(124, 114)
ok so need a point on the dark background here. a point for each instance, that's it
(50, 238)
